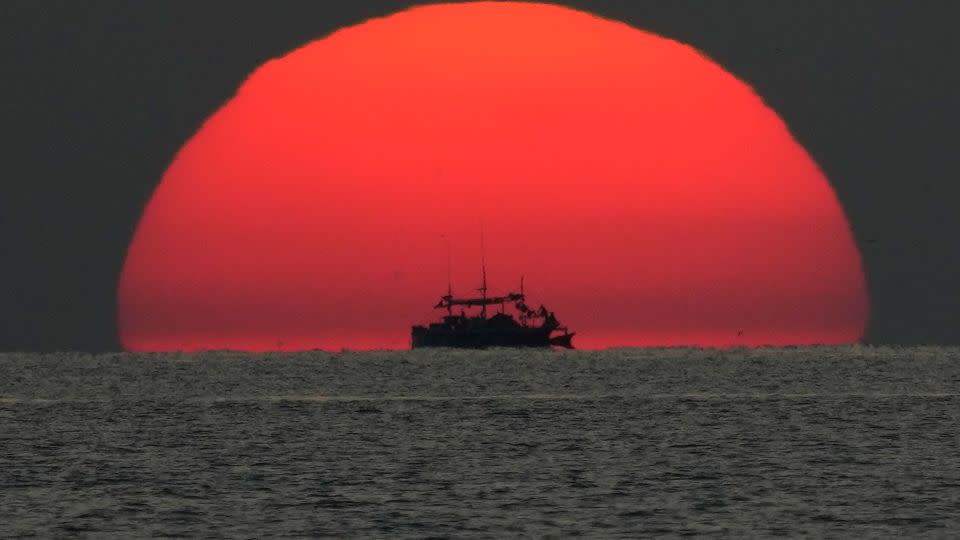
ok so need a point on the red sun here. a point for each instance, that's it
(648, 196)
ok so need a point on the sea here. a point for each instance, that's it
(855, 441)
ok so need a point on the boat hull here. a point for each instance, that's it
(482, 338)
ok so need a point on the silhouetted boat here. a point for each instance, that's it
(531, 328)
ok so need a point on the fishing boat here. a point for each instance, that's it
(521, 326)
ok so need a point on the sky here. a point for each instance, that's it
(103, 96)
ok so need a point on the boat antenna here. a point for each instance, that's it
(483, 270)
(446, 240)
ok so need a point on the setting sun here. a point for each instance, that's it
(646, 194)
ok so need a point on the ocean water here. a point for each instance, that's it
(823, 441)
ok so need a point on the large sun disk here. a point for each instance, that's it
(648, 196)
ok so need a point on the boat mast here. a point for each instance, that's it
(483, 270)
(449, 281)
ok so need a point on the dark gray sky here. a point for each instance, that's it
(97, 96)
